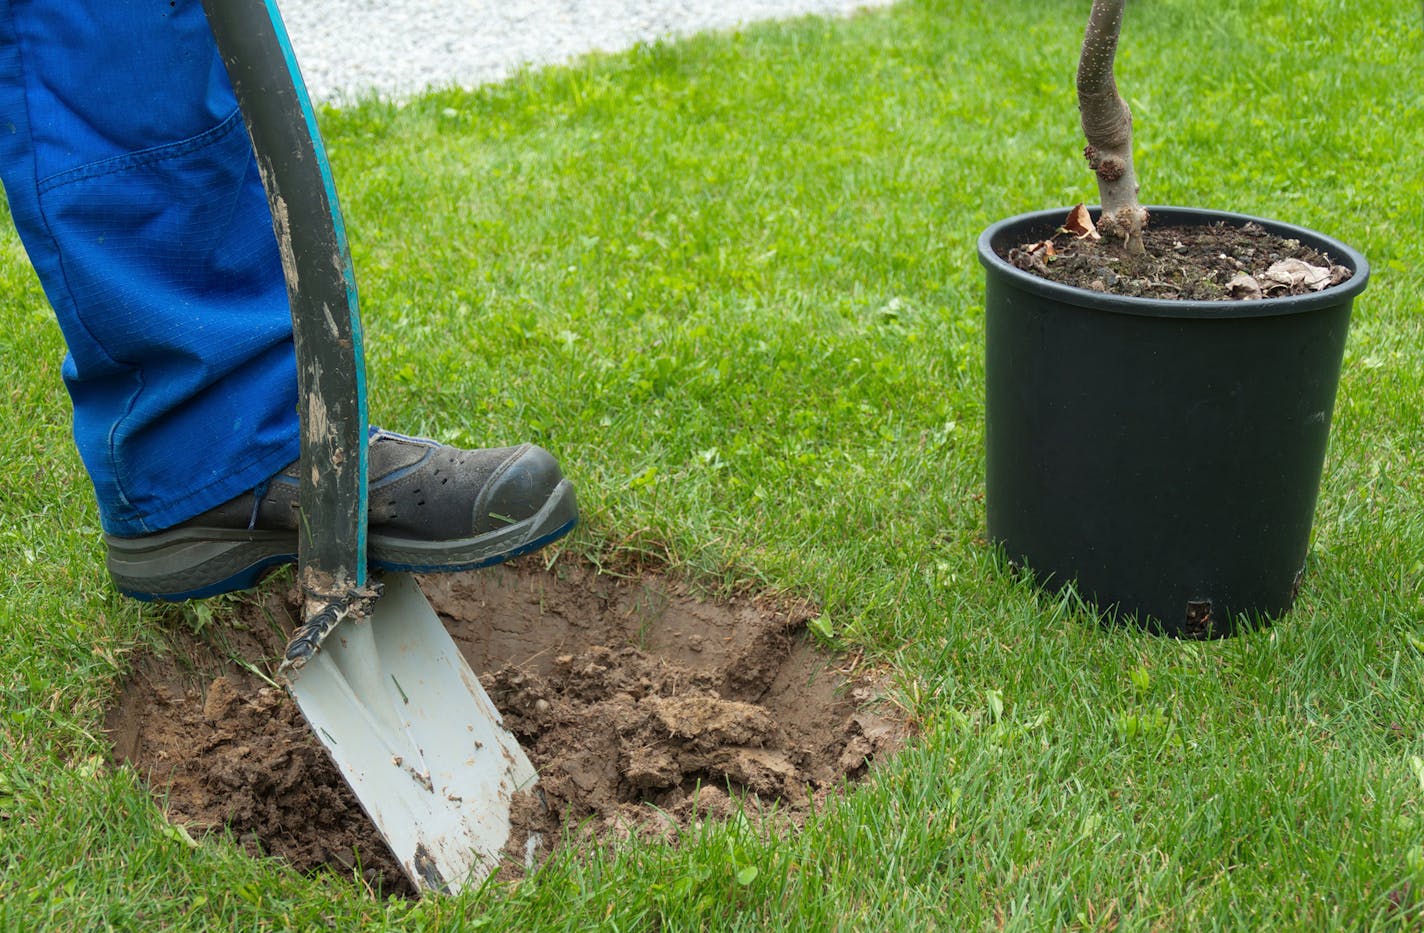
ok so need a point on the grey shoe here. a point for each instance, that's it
(432, 508)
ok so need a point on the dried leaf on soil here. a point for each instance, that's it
(1243, 287)
(1030, 257)
(1292, 274)
(1080, 224)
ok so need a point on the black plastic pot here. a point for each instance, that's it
(1164, 455)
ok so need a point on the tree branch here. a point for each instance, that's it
(1107, 125)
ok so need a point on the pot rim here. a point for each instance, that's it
(1005, 231)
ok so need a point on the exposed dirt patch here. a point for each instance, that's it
(642, 708)
(1215, 262)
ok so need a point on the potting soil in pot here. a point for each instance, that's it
(1214, 262)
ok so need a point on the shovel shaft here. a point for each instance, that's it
(321, 289)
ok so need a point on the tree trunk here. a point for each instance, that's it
(1107, 126)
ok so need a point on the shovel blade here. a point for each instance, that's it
(416, 737)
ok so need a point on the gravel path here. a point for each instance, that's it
(401, 47)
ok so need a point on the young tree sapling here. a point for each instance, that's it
(1107, 126)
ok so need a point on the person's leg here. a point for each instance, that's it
(132, 184)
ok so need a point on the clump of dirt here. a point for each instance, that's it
(642, 707)
(1213, 262)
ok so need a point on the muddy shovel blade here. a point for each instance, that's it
(416, 737)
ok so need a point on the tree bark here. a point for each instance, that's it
(1107, 126)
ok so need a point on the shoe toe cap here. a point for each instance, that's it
(519, 488)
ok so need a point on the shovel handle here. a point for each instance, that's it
(326, 323)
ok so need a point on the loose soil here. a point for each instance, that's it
(1214, 262)
(643, 708)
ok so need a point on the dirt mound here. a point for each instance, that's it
(640, 706)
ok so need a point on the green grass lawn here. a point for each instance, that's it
(730, 281)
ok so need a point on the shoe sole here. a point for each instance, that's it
(194, 563)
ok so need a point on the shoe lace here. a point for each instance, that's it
(258, 494)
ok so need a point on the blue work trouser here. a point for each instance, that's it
(133, 186)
